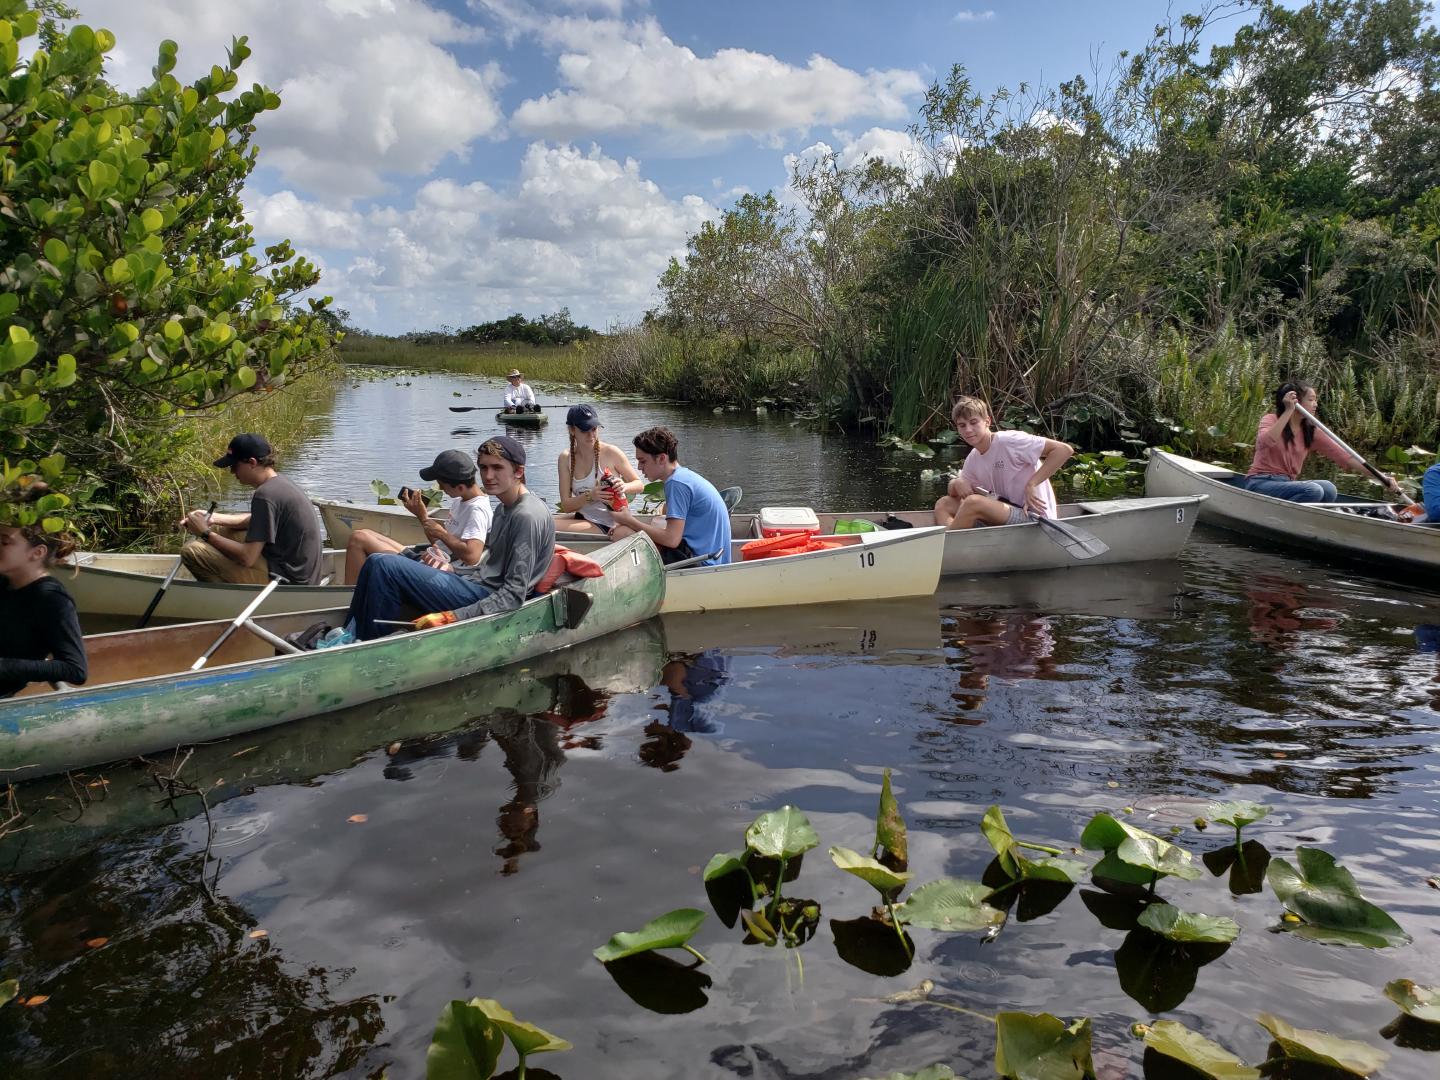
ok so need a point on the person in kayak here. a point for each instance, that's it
(521, 545)
(40, 639)
(583, 491)
(696, 519)
(1005, 476)
(518, 395)
(1285, 439)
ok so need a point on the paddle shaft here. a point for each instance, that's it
(1385, 481)
(1076, 542)
(238, 621)
(160, 592)
(502, 408)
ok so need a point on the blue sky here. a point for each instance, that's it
(452, 161)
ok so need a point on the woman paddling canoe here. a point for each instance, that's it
(1283, 442)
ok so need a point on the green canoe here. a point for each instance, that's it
(523, 419)
(142, 697)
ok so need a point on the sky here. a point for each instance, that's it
(448, 162)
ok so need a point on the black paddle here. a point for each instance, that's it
(502, 408)
(160, 592)
(1387, 482)
(1078, 543)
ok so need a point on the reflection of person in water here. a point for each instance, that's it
(1013, 646)
(1427, 640)
(693, 679)
(1274, 607)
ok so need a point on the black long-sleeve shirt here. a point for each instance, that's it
(40, 639)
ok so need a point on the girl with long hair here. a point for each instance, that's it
(581, 491)
(40, 639)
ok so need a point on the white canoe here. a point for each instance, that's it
(103, 583)
(1136, 530)
(1313, 527)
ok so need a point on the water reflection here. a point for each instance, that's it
(1275, 619)
(1005, 646)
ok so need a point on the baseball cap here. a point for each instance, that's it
(244, 447)
(505, 446)
(583, 417)
(451, 466)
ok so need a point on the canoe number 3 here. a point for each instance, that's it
(1180, 515)
(867, 558)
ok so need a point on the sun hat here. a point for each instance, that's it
(514, 374)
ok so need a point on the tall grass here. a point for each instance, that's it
(556, 363)
(712, 370)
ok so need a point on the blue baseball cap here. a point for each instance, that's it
(583, 417)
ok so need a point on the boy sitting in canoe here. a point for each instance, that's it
(521, 546)
(1006, 474)
(696, 519)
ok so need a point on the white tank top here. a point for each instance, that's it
(591, 511)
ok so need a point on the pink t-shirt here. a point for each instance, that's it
(1007, 467)
(1288, 459)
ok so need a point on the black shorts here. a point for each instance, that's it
(679, 553)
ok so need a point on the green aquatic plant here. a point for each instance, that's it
(778, 837)
(891, 838)
(1038, 1046)
(1134, 856)
(1174, 1040)
(470, 1036)
(949, 904)
(669, 931)
(8, 989)
(1185, 927)
(930, 1072)
(888, 883)
(1420, 1003)
(1309, 1047)
(1017, 866)
(1323, 894)
(890, 876)
(1237, 814)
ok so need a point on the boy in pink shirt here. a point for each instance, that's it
(1012, 466)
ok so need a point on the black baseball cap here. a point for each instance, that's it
(451, 466)
(505, 446)
(583, 417)
(243, 448)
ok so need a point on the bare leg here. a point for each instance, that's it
(946, 507)
(977, 509)
(364, 543)
(620, 532)
(571, 524)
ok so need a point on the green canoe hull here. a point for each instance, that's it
(523, 419)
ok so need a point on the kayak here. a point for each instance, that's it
(1332, 528)
(142, 696)
(523, 419)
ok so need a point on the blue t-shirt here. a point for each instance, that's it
(689, 496)
(1430, 492)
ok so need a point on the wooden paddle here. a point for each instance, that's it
(160, 592)
(1076, 542)
(1385, 481)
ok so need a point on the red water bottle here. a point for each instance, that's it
(617, 493)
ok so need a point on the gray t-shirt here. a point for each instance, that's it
(519, 550)
(282, 518)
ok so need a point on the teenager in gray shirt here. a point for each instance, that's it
(519, 550)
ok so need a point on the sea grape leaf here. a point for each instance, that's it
(1420, 1002)
(949, 904)
(1322, 1048)
(781, 834)
(931, 1072)
(1324, 894)
(880, 876)
(890, 826)
(723, 864)
(1170, 922)
(1038, 1046)
(526, 1038)
(1236, 814)
(1137, 848)
(668, 931)
(1210, 1059)
(465, 1046)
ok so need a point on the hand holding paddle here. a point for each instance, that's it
(179, 562)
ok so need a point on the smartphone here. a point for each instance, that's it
(405, 493)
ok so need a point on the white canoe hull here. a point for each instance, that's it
(1315, 529)
(109, 584)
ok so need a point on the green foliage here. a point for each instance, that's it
(876, 874)
(890, 834)
(465, 1045)
(931, 1072)
(130, 290)
(1015, 864)
(1209, 1059)
(1038, 1046)
(1133, 855)
(669, 931)
(1417, 1002)
(1320, 1048)
(1184, 926)
(781, 834)
(1324, 894)
(949, 904)
(8, 989)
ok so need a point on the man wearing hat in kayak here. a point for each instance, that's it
(280, 534)
(458, 541)
(518, 395)
(521, 545)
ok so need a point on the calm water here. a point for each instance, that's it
(514, 821)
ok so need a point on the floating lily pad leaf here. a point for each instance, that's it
(1175, 864)
(1420, 1002)
(526, 1038)
(1321, 1048)
(1324, 894)
(465, 1046)
(949, 904)
(1137, 848)
(890, 826)
(781, 834)
(880, 876)
(670, 931)
(1007, 850)
(1067, 871)
(1236, 814)
(724, 864)
(1207, 1058)
(997, 832)
(1170, 922)
(933, 1072)
(1038, 1046)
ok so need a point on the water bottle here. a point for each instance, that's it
(618, 501)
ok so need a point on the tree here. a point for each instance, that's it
(129, 290)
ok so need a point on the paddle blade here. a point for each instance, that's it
(1077, 543)
(731, 497)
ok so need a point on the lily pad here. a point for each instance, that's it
(723, 864)
(933, 1072)
(880, 876)
(465, 1046)
(1322, 1048)
(949, 904)
(1236, 814)
(1170, 922)
(1324, 894)
(890, 826)
(781, 834)
(1207, 1058)
(8, 989)
(670, 931)
(1008, 851)
(997, 833)
(1419, 1002)
(1038, 1046)
(526, 1038)
(1127, 846)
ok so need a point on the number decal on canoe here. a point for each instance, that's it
(867, 558)
(1179, 515)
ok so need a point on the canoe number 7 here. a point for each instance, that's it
(867, 558)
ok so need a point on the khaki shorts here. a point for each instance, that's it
(207, 563)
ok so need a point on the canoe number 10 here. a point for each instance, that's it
(867, 558)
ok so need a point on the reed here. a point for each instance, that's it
(717, 369)
(558, 363)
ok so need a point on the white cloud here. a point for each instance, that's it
(968, 15)
(630, 77)
(368, 86)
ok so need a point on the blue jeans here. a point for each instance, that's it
(1282, 487)
(390, 585)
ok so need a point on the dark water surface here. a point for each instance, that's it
(513, 821)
